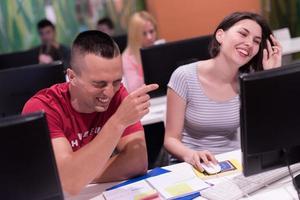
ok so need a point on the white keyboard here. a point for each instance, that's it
(240, 185)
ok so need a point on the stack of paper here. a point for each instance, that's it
(134, 191)
(177, 184)
(159, 182)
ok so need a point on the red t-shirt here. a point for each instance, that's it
(64, 121)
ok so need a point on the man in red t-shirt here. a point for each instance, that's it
(94, 123)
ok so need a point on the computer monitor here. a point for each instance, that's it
(17, 85)
(18, 59)
(121, 41)
(28, 168)
(154, 135)
(270, 118)
(160, 61)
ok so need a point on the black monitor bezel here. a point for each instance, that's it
(199, 46)
(10, 75)
(256, 162)
(30, 120)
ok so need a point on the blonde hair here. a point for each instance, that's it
(135, 31)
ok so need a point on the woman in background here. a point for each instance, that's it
(202, 98)
(141, 33)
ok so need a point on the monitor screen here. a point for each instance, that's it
(154, 136)
(270, 118)
(17, 59)
(160, 61)
(28, 167)
(17, 85)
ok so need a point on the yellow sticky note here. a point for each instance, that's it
(237, 164)
(178, 189)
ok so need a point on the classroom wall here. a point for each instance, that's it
(180, 19)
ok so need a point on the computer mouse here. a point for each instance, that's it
(211, 168)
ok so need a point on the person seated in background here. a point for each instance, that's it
(141, 33)
(202, 97)
(50, 50)
(93, 122)
(106, 25)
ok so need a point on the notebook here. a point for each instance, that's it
(159, 183)
(177, 184)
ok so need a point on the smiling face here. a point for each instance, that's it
(241, 42)
(93, 87)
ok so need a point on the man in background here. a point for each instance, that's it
(50, 50)
(106, 25)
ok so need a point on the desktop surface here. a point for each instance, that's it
(282, 189)
(157, 111)
(290, 46)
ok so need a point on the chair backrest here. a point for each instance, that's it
(17, 85)
(154, 134)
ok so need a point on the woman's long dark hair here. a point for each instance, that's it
(255, 64)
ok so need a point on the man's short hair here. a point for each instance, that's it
(107, 21)
(44, 23)
(93, 42)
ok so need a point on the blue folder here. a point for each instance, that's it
(154, 172)
(189, 197)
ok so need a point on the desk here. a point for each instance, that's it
(282, 189)
(157, 111)
(290, 46)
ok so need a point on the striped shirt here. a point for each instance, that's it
(208, 125)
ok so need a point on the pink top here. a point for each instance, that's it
(133, 76)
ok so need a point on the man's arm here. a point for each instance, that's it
(131, 159)
(77, 169)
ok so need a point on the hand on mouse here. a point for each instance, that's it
(195, 158)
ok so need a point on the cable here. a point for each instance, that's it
(286, 152)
